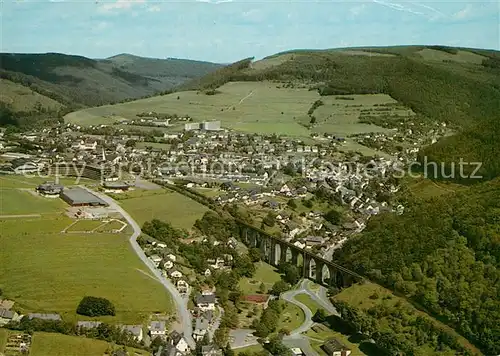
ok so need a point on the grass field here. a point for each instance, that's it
(253, 348)
(3, 338)
(264, 273)
(14, 201)
(52, 344)
(308, 302)
(252, 107)
(15, 181)
(85, 226)
(291, 318)
(46, 271)
(169, 206)
(426, 188)
(341, 116)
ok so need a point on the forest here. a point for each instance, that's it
(443, 254)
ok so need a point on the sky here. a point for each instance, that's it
(228, 30)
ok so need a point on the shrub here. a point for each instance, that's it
(95, 306)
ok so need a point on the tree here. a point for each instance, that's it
(280, 287)
(307, 203)
(292, 204)
(95, 306)
(319, 316)
(130, 143)
(291, 273)
(254, 254)
(221, 337)
(262, 288)
(313, 120)
(270, 219)
(334, 217)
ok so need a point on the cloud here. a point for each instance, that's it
(356, 10)
(120, 5)
(214, 2)
(154, 8)
(464, 13)
(436, 11)
(398, 7)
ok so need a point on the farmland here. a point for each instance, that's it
(251, 107)
(51, 344)
(15, 201)
(168, 206)
(70, 265)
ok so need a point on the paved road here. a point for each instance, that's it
(180, 303)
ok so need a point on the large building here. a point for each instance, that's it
(210, 126)
(50, 189)
(82, 170)
(192, 126)
(81, 197)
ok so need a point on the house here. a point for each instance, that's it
(177, 340)
(135, 330)
(157, 329)
(207, 272)
(211, 350)
(55, 317)
(87, 324)
(314, 240)
(155, 259)
(49, 189)
(297, 351)
(168, 264)
(167, 350)
(200, 329)
(333, 347)
(182, 286)
(7, 315)
(175, 274)
(170, 256)
(120, 352)
(206, 302)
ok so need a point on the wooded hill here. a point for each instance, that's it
(76, 81)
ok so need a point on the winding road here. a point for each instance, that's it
(180, 303)
(296, 337)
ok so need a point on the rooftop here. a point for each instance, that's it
(82, 196)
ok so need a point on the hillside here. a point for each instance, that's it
(163, 73)
(457, 86)
(77, 81)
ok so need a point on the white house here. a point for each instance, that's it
(168, 264)
(207, 272)
(182, 286)
(171, 257)
(175, 274)
(157, 328)
(155, 259)
(206, 302)
(178, 341)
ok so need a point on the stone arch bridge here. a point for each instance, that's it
(277, 251)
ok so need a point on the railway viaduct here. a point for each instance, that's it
(277, 251)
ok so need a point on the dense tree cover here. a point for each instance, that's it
(397, 330)
(290, 273)
(39, 117)
(269, 319)
(444, 254)
(218, 77)
(95, 306)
